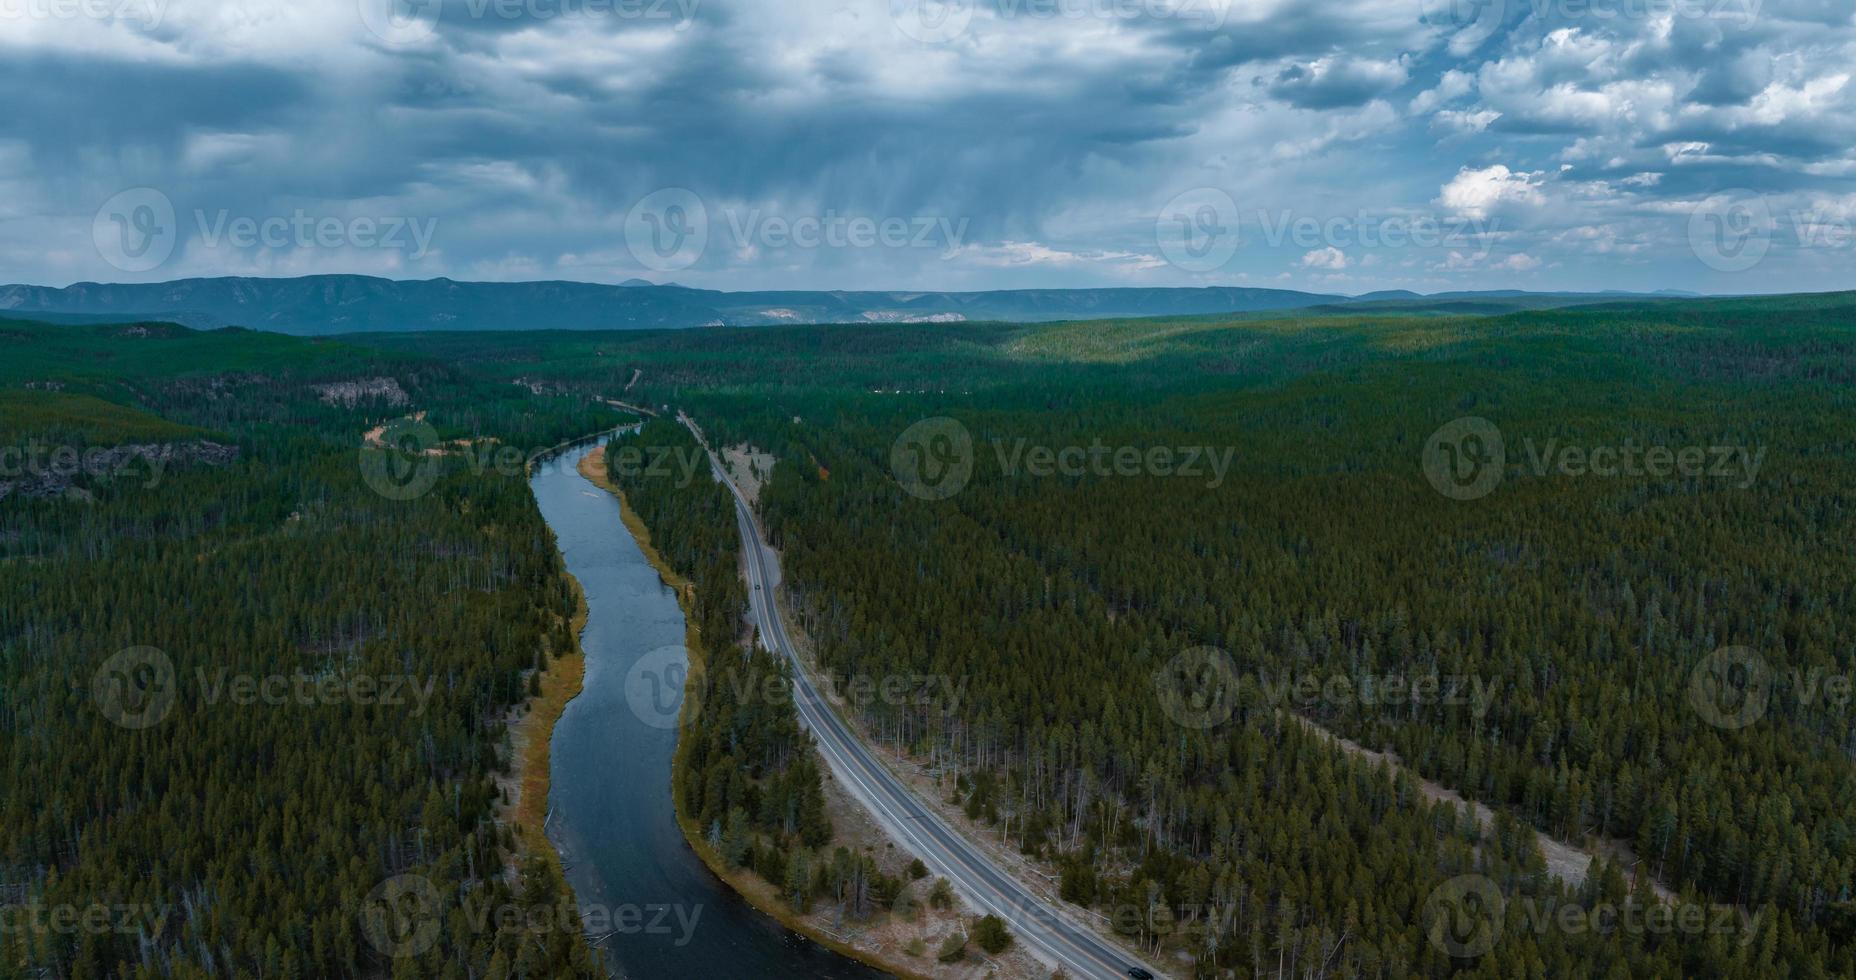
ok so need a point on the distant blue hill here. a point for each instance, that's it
(349, 304)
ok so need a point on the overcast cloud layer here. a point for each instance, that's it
(1345, 145)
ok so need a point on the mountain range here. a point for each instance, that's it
(333, 304)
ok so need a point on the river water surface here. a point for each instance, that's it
(610, 808)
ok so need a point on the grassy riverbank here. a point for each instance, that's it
(531, 736)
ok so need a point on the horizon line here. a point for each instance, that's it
(642, 283)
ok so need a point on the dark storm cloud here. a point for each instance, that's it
(1327, 85)
(63, 104)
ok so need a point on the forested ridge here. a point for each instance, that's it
(214, 834)
(1586, 604)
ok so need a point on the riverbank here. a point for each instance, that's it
(872, 947)
(531, 736)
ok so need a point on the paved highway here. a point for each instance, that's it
(1053, 935)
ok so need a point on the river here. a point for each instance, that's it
(664, 914)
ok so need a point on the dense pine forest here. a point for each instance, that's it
(1592, 608)
(1153, 659)
(333, 816)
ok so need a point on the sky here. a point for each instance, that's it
(1341, 146)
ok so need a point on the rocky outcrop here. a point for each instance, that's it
(348, 394)
(42, 471)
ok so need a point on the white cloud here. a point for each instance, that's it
(1452, 86)
(1466, 122)
(1325, 258)
(1011, 254)
(1479, 193)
